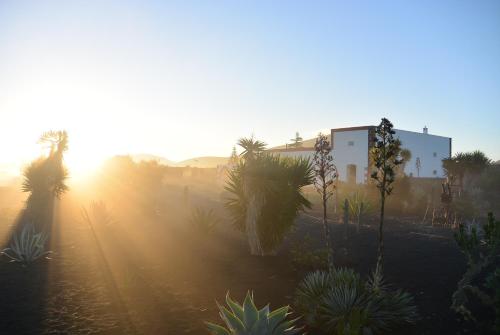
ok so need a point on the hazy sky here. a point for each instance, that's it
(188, 78)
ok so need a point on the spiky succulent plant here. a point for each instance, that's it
(27, 245)
(204, 221)
(246, 319)
(339, 301)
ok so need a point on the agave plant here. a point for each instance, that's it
(98, 213)
(310, 292)
(340, 302)
(27, 245)
(204, 221)
(336, 286)
(359, 206)
(246, 319)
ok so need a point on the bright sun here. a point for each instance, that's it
(81, 166)
(84, 157)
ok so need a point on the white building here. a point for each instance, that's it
(351, 148)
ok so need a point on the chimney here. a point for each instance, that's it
(426, 131)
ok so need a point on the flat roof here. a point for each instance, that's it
(421, 133)
(352, 128)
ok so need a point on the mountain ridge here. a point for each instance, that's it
(200, 162)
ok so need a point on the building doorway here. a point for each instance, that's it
(351, 173)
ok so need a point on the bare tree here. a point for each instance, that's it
(386, 157)
(325, 182)
(418, 166)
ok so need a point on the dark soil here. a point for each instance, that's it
(157, 276)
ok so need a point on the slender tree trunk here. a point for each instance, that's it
(327, 231)
(253, 212)
(425, 215)
(380, 254)
(360, 211)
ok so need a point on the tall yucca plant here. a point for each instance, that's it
(284, 198)
(45, 178)
(48, 174)
(266, 196)
(246, 319)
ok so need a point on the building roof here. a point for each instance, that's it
(352, 128)
(308, 145)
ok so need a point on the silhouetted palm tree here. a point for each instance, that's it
(465, 164)
(251, 147)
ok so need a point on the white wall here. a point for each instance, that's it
(357, 154)
(430, 148)
(420, 144)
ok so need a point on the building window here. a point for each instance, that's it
(434, 154)
(350, 143)
(434, 172)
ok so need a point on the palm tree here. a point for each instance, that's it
(251, 147)
(465, 164)
(233, 159)
(296, 141)
(266, 196)
(477, 162)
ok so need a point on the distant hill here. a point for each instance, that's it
(309, 143)
(200, 162)
(9, 173)
(147, 157)
(204, 162)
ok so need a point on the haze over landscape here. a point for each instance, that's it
(318, 167)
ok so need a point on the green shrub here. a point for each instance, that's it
(246, 319)
(477, 297)
(339, 302)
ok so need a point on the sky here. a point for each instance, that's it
(183, 79)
